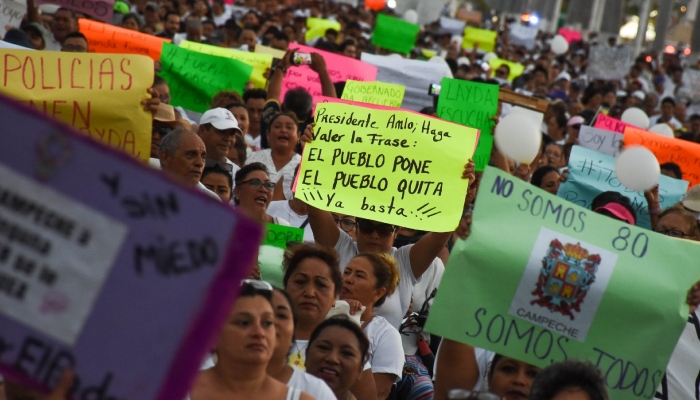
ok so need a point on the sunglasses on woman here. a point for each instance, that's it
(346, 224)
(383, 230)
(256, 183)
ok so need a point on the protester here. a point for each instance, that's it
(313, 280)
(570, 379)
(254, 101)
(547, 178)
(217, 128)
(182, 156)
(244, 349)
(368, 280)
(279, 368)
(217, 178)
(337, 351)
(75, 42)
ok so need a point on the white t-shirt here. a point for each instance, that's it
(287, 172)
(220, 20)
(385, 351)
(310, 384)
(396, 305)
(683, 369)
(252, 141)
(281, 209)
(430, 280)
(654, 119)
(483, 363)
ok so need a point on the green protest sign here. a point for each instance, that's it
(395, 34)
(380, 93)
(387, 165)
(471, 104)
(194, 78)
(280, 235)
(542, 280)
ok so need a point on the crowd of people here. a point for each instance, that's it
(336, 317)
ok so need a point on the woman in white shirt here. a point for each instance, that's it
(278, 367)
(280, 159)
(369, 279)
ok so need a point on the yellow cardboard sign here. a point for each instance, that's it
(516, 69)
(98, 94)
(393, 166)
(485, 38)
(316, 27)
(260, 49)
(259, 61)
(380, 93)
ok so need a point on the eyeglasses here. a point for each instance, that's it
(671, 232)
(383, 230)
(462, 394)
(259, 285)
(225, 166)
(256, 183)
(345, 224)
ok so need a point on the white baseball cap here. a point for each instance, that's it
(691, 200)
(221, 119)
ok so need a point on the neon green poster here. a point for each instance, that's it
(542, 280)
(380, 93)
(387, 165)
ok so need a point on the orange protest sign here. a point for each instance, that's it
(105, 38)
(667, 149)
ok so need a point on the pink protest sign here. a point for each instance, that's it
(340, 68)
(611, 124)
(571, 35)
(100, 9)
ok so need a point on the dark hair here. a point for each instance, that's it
(346, 43)
(540, 68)
(248, 290)
(241, 149)
(668, 100)
(254, 94)
(343, 321)
(235, 105)
(613, 197)
(540, 173)
(298, 101)
(288, 114)
(217, 169)
(569, 374)
(673, 167)
(294, 256)
(386, 271)
(159, 80)
(289, 299)
(247, 169)
(134, 17)
(169, 13)
(76, 35)
(69, 11)
(224, 97)
(561, 120)
(694, 117)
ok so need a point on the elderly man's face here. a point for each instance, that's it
(186, 163)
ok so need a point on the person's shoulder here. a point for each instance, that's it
(277, 205)
(314, 386)
(381, 328)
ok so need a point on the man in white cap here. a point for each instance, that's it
(218, 128)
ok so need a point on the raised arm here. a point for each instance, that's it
(323, 226)
(318, 64)
(429, 246)
(456, 368)
(274, 86)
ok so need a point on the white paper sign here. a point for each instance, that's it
(605, 62)
(453, 26)
(11, 14)
(415, 75)
(55, 254)
(522, 35)
(600, 140)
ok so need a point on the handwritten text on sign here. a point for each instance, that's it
(380, 93)
(600, 140)
(98, 94)
(105, 38)
(396, 167)
(611, 124)
(667, 149)
(78, 278)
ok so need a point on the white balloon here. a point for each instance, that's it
(463, 61)
(636, 117)
(518, 137)
(559, 45)
(637, 168)
(437, 59)
(488, 56)
(411, 16)
(662, 129)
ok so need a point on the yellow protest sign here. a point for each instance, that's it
(316, 27)
(259, 61)
(516, 69)
(393, 166)
(98, 94)
(380, 93)
(260, 49)
(484, 38)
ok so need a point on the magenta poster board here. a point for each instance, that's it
(340, 68)
(108, 267)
